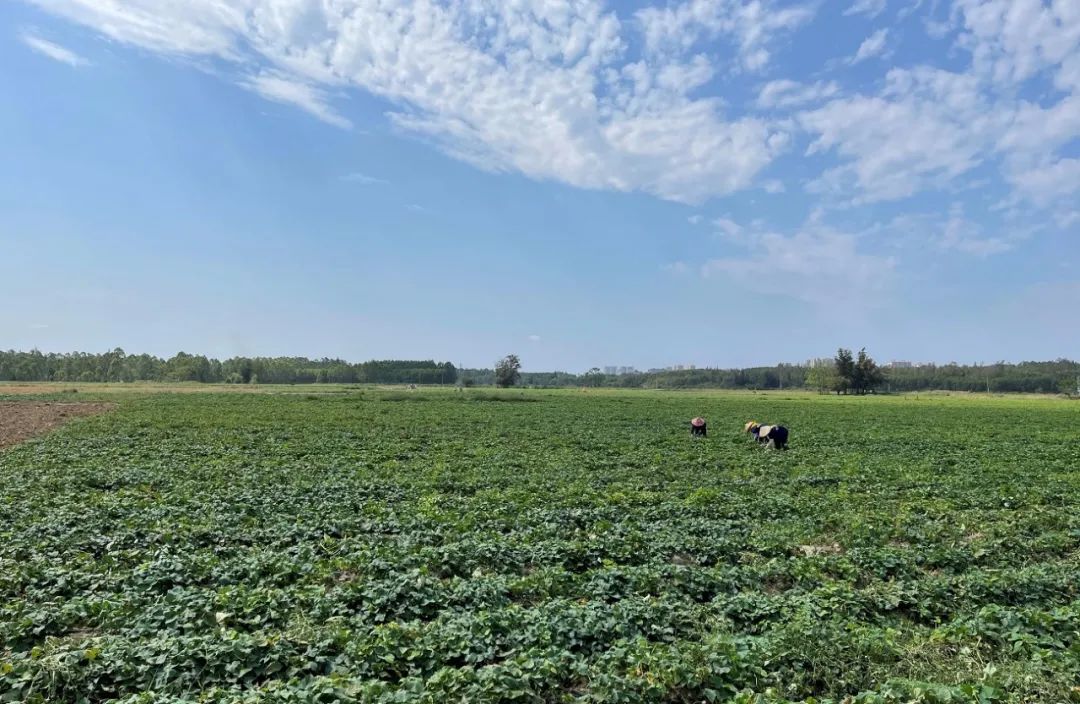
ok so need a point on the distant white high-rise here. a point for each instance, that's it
(611, 370)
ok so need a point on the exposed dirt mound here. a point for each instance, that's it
(20, 420)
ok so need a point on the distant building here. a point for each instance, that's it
(611, 370)
(627, 370)
(900, 365)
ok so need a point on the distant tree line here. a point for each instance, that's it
(822, 375)
(1059, 376)
(117, 366)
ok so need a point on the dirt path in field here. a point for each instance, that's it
(20, 420)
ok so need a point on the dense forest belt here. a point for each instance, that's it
(116, 366)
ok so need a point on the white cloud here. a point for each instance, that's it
(1010, 43)
(363, 179)
(926, 127)
(1067, 78)
(965, 236)
(192, 27)
(534, 338)
(1037, 131)
(785, 93)
(872, 46)
(956, 232)
(870, 8)
(576, 93)
(910, 8)
(548, 89)
(279, 88)
(679, 27)
(817, 265)
(728, 227)
(1067, 218)
(1011, 40)
(695, 219)
(1050, 182)
(774, 186)
(53, 51)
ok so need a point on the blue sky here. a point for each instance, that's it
(720, 182)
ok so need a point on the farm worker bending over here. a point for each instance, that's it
(774, 436)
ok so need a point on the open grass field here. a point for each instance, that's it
(479, 546)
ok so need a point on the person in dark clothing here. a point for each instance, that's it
(697, 427)
(775, 436)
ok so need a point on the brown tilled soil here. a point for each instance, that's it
(20, 420)
(27, 388)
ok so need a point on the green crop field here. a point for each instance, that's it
(478, 546)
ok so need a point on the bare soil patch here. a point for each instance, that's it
(37, 388)
(20, 420)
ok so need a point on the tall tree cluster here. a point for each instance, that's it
(508, 371)
(858, 375)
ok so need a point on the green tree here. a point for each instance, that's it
(822, 376)
(508, 371)
(111, 366)
(593, 377)
(188, 367)
(866, 375)
(844, 363)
